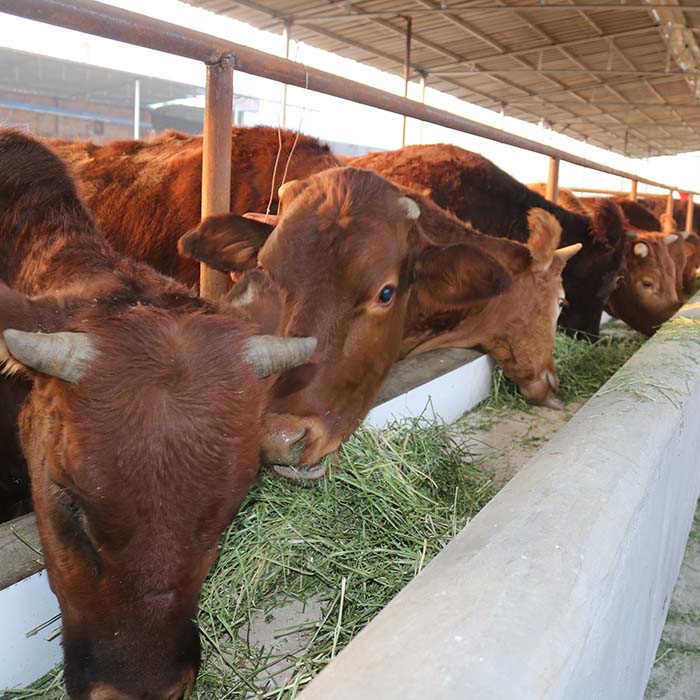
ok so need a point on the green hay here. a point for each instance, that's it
(582, 367)
(350, 542)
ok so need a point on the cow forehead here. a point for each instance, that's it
(168, 401)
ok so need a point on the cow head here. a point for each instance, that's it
(344, 252)
(599, 266)
(648, 295)
(142, 435)
(517, 327)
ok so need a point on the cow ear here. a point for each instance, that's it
(226, 242)
(259, 299)
(607, 225)
(545, 234)
(458, 274)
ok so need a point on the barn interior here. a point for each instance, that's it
(619, 76)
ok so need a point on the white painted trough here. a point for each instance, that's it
(441, 384)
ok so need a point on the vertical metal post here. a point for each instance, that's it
(552, 192)
(286, 31)
(216, 161)
(689, 213)
(137, 108)
(406, 70)
(422, 99)
(669, 223)
(633, 190)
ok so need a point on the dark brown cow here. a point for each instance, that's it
(651, 287)
(345, 252)
(145, 195)
(517, 327)
(141, 431)
(495, 203)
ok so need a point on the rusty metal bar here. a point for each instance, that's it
(216, 161)
(633, 190)
(552, 191)
(689, 213)
(132, 28)
(669, 223)
(406, 72)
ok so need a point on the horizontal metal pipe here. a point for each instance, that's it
(132, 28)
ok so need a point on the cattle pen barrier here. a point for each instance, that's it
(506, 610)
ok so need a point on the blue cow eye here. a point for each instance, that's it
(387, 294)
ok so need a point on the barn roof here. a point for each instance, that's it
(625, 77)
(31, 74)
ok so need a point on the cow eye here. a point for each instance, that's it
(562, 303)
(647, 283)
(387, 294)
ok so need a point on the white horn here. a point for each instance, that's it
(63, 355)
(641, 250)
(410, 207)
(270, 353)
(670, 238)
(685, 235)
(567, 252)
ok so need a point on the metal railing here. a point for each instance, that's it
(222, 57)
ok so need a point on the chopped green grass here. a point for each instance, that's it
(349, 544)
(582, 367)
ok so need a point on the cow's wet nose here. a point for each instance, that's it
(284, 445)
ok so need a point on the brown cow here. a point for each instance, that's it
(495, 203)
(517, 327)
(145, 195)
(345, 252)
(651, 287)
(141, 431)
(687, 261)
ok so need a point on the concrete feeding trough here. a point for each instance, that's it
(441, 384)
(560, 586)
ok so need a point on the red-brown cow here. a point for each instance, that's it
(641, 217)
(651, 287)
(141, 431)
(517, 327)
(145, 195)
(495, 203)
(345, 252)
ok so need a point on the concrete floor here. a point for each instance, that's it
(676, 673)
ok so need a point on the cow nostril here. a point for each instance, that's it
(284, 446)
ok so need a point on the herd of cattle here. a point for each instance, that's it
(140, 412)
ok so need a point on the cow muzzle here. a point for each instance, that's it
(294, 446)
(541, 391)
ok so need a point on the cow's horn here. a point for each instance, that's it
(270, 354)
(641, 250)
(670, 238)
(685, 235)
(410, 207)
(632, 235)
(568, 252)
(63, 355)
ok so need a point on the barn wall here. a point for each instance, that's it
(559, 588)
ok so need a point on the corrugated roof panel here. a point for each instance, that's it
(511, 44)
